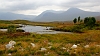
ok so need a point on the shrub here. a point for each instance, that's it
(12, 51)
(75, 20)
(89, 21)
(11, 29)
(77, 29)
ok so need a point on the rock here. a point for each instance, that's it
(78, 44)
(9, 54)
(43, 49)
(49, 43)
(12, 42)
(68, 50)
(63, 48)
(97, 45)
(87, 46)
(74, 46)
(32, 44)
(9, 46)
(49, 46)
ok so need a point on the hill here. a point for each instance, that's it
(13, 16)
(68, 15)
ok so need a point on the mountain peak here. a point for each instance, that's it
(74, 10)
(68, 15)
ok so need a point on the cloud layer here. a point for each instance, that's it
(35, 7)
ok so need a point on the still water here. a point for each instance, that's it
(38, 30)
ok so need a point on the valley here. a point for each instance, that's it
(31, 43)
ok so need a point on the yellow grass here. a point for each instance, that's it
(24, 48)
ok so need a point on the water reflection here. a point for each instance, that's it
(38, 30)
(29, 28)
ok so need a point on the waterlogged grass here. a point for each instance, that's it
(5, 26)
(55, 44)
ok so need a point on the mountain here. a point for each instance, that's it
(13, 16)
(97, 17)
(68, 15)
(45, 14)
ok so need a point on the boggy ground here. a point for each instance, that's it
(55, 44)
(88, 43)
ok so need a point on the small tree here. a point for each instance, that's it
(75, 20)
(89, 21)
(94, 20)
(79, 19)
(86, 20)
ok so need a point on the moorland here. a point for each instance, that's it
(84, 40)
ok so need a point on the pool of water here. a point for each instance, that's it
(38, 30)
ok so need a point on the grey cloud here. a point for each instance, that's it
(81, 3)
(24, 4)
(16, 5)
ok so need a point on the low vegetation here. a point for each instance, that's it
(79, 26)
(32, 44)
(55, 44)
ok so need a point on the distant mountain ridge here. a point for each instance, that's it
(13, 16)
(51, 15)
(68, 15)
(47, 12)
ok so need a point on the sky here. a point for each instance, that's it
(36, 7)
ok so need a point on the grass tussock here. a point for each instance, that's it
(56, 44)
(88, 43)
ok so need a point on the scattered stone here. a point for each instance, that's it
(68, 50)
(49, 46)
(78, 44)
(9, 54)
(49, 43)
(32, 44)
(12, 42)
(43, 49)
(64, 48)
(87, 46)
(10, 45)
(97, 53)
(97, 45)
(74, 46)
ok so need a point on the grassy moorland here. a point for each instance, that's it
(88, 42)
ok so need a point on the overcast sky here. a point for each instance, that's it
(35, 7)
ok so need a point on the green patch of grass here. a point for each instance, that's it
(12, 51)
(24, 48)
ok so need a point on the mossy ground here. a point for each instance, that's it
(54, 43)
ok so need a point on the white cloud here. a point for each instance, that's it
(35, 7)
(39, 10)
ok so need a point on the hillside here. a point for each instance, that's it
(13, 16)
(68, 15)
